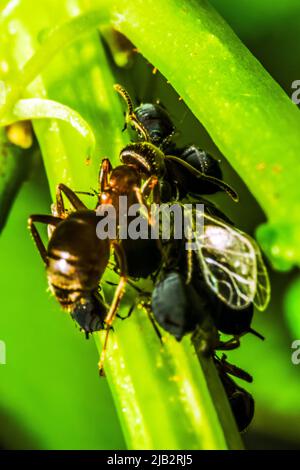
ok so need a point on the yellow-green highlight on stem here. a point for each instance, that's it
(37, 108)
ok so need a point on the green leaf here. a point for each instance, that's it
(247, 114)
(174, 388)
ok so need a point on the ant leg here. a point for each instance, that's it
(234, 370)
(189, 257)
(130, 311)
(143, 205)
(229, 345)
(150, 316)
(153, 323)
(115, 303)
(198, 174)
(87, 193)
(151, 185)
(44, 219)
(70, 195)
(130, 115)
(105, 170)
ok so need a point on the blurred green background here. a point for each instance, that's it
(50, 393)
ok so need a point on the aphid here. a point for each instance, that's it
(180, 308)
(176, 306)
(227, 259)
(75, 261)
(241, 402)
(155, 155)
(191, 293)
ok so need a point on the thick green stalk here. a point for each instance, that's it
(161, 393)
(247, 114)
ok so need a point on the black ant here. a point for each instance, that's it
(76, 258)
(179, 171)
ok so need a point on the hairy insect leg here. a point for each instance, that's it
(153, 323)
(71, 196)
(44, 219)
(198, 174)
(147, 213)
(131, 116)
(189, 257)
(234, 370)
(115, 302)
(151, 186)
(229, 345)
(104, 172)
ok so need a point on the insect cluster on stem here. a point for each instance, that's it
(205, 290)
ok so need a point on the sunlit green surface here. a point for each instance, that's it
(35, 412)
(177, 393)
(50, 394)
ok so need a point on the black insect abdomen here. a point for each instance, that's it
(205, 163)
(156, 121)
(142, 255)
(176, 305)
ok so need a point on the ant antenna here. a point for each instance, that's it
(131, 116)
(255, 333)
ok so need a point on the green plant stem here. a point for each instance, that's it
(247, 114)
(161, 393)
(36, 108)
(15, 165)
(60, 37)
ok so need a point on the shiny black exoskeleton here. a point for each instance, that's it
(155, 119)
(180, 307)
(182, 301)
(226, 319)
(206, 164)
(176, 306)
(179, 171)
(241, 402)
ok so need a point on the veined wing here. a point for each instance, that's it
(229, 261)
(263, 287)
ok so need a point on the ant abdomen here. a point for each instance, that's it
(206, 164)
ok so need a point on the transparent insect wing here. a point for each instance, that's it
(229, 262)
(263, 287)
